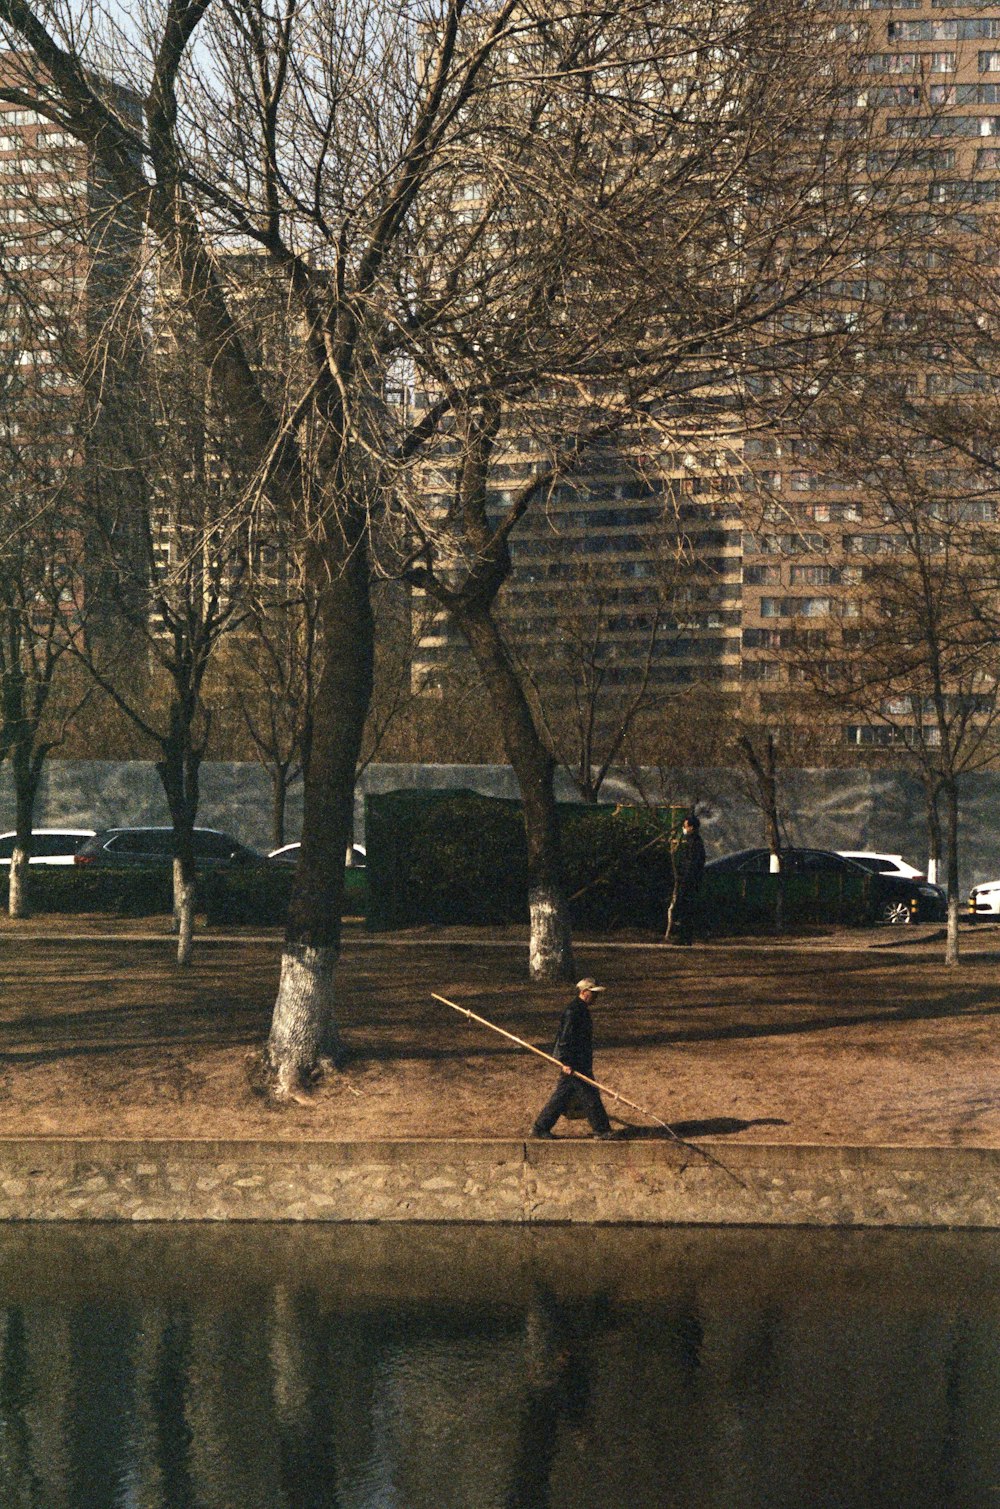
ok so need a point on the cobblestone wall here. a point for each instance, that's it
(560, 1181)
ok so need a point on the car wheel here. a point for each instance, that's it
(895, 913)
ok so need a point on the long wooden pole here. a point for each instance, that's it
(604, 1089)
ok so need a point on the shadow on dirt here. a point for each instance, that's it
(711, 1126)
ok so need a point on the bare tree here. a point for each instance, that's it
(179, 577)
(916, 664)
(40, 619)
(593, 686)
(268, 674)
(640, 184)
(707, 196)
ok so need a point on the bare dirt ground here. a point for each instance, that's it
(853, 1037)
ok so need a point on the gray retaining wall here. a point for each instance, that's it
(566, 1180)
(835, 809)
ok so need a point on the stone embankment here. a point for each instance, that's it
(639, 1182)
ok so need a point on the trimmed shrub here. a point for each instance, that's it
(259, 895)
(617, 864)
(735, 903)
(458, 857)
(246, 895)
(76, 888)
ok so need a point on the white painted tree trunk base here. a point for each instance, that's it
(304, 1026)
(933, 866)
(17, 899)
(550, 949)
(183, 914)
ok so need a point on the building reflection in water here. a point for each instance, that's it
(370, 1368)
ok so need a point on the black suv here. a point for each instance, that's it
(152, 847)
(892, 898)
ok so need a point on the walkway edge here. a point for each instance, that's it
(63, 1179)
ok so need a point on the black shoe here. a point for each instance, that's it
(539, 1132)
(607, 1136)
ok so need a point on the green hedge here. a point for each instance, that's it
(260, 895)
(251, 894)
(246, 895)
(734, 903)
(77, 888)
(458, 857)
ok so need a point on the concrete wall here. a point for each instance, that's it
(837, 809)
(524, 1183)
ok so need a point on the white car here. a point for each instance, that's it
(984, 900)
(883, 864)
(288, 854)
(51, 846)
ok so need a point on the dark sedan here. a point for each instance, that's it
(892, 899)
(150, 848)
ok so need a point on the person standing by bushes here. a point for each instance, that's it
(689, 869)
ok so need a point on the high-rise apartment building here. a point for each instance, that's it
(934, 72)
(728, 565)
(69, 305)
(630, 566)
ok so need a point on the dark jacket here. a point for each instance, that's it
(574, 1043)
(690, 864)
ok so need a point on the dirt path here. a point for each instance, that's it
(829, 1038)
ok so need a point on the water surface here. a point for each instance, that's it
(492, 1368)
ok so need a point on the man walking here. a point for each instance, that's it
(574, 1048)
(689, 867)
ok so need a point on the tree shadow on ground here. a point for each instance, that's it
(977, 1002)
(93, 1033)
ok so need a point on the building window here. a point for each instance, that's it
(813, 576)
(762, 670)
(923, 31)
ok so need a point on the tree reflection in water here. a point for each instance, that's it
(496, 1369)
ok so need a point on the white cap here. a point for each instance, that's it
(588, 984)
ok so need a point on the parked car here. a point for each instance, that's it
(883, 864)
(984, 900)
(355, 875)
(893, 899)
(288, 854)
(151, 847)
(50, 846)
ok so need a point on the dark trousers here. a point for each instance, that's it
(684, 916)
(572, 1091)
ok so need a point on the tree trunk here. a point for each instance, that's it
(279, 795)
(934, 846)
(179, 771)
(304, 1023)
(303, 1026)
(765, 778)
(17, 902)
(26, 765)
(950, 793)
(184, 894)
(550, 949)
